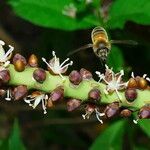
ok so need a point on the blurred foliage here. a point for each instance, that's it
(51, 29)
(14, 141)
(108, 138)
(129, 10)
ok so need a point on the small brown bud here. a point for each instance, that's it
(90, 108)
(144, 112)
(111, 110)
(36, 93)
(85, 74)
(49, 103)
(72, 104)
(131, 94)
(142, 83)
(75, 77)
(57, 94)
(19, 66)
(19, 57)
(39, 75)
(4, 76)
(94, 94)
(132, 83)
(2, 92)
(33, 61)
(20, 92)
(125, 113)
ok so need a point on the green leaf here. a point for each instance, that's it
(115, 59)
(49, 13)
(15, 142)
(111, 138)
(122, 11)
(145, 126)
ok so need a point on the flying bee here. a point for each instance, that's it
(101, 44)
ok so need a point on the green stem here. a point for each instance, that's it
(79, 92)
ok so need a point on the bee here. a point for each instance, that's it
(101, 44)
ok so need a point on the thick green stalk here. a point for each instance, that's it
(79, 92)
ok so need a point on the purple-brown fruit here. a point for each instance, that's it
(4, 76)
(19, 65)
(39, 75)
(125, 113)
(94, 94)
(75, 77)
(142, 83)
(72, 104)
(131, 94)
(20, 92)
(144, 112)
(33, 61)
(57, 94)
(132, 83)
(111, 110)
(85, 74)
(19, 57)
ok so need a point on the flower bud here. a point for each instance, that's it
(19, 65)
(57, 94)
(4, 76)
(144, 112)
(85, 74)
(2, 92)
(125, 113)
(132, 83)
(20, 92)
(49, 103)
(19, 57)
(90, 108)
(94, 94)
(111, 110)
(75, 77)
(33, 61)
(72, 104)
(142, 83)
(131, 94)
(39, 75)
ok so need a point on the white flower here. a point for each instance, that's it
(56, 67)
(4, 57)
(34, 100)
(89, 110)
(70, 10)
(113, 81)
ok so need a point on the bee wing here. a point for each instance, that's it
(130, 42)
(81, 48)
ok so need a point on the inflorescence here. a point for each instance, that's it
(98, 100)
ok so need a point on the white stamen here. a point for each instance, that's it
(135, 121)
(148, 79)
(71, 62)
(8, 98)
(44, 60)
(132, 75)
(144, 75)
(64, 62)
(98, 115)
(2, 43)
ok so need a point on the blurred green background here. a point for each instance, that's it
(40, 26)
